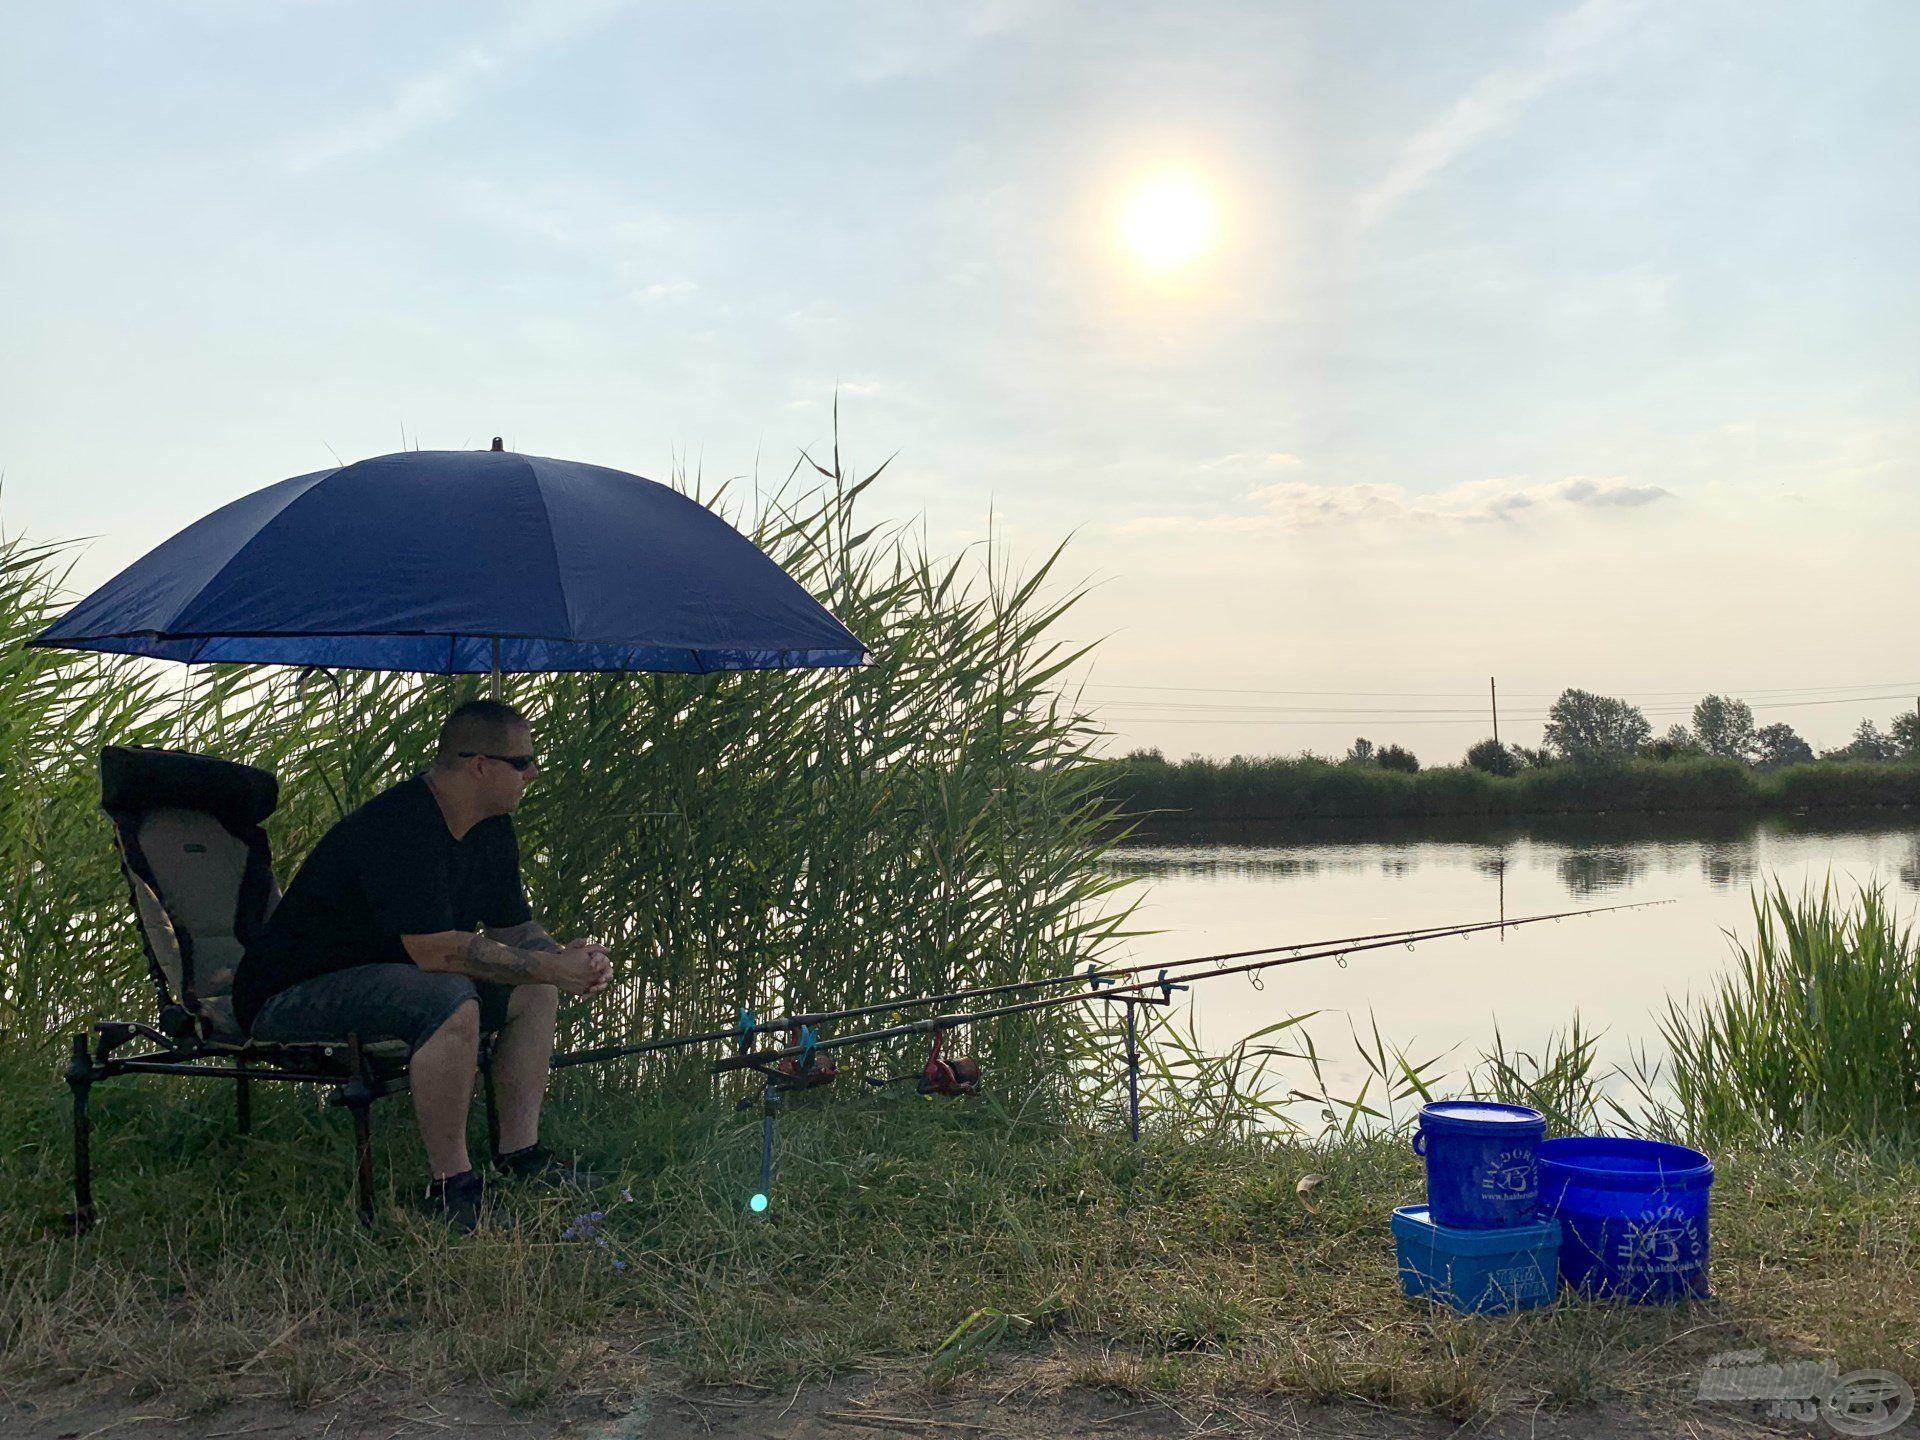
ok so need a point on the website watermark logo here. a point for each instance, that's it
(1858, 1402)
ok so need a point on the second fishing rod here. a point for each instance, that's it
(750, 1026)
(805, 1065)
(1141, 990)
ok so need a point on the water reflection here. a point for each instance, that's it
(1591, 852)
(1591, 872)
(1910, 867)
(1636, 829)
(1208, 890)
(1728, 864)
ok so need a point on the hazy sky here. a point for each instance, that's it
(1576, 344)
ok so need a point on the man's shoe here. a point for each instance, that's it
(540, 1165)
(460, 1200)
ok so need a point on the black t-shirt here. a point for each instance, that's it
(391, 868)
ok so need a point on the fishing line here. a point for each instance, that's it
(751, 1026)
(1138, 990)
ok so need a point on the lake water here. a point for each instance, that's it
(1207, 893)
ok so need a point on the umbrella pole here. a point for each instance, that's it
(493, 682)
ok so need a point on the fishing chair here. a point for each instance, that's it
(200, 875)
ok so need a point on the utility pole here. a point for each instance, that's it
(1493, 694)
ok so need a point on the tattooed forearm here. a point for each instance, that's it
(485, 959)
(528, 935)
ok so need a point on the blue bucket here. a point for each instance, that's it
(1633, 1213)
(1481, 1170)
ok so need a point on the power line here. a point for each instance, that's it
(1906, 686)
(1351, 719)
(1284, 714)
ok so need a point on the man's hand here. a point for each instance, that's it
(592, 962)
(582, 968)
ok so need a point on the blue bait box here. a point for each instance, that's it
(1477, 1272)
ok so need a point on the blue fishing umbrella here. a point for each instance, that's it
(459, 562)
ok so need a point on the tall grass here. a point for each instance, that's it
(1814, 1035)
(60, 960)
(764, 839)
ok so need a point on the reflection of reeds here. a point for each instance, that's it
(765, 838)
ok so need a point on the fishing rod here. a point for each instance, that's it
(749, 1025)
(1137, 990)
(803, 1066)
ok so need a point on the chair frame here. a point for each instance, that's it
(180, 1045)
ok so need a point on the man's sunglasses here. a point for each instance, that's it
(519, 762)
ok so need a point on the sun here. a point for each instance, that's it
(1168, 221)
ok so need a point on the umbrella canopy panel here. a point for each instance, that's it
(426, 560)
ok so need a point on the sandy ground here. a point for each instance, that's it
(1013, 1400)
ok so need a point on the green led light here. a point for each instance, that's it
(758, 1204)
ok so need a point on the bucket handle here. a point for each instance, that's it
(1419, 1142)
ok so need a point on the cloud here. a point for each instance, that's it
(1494, 102)
(890, 41)
(575, 218)
(1300, 505)
(437, 94)
(642, 252)
(663, 290)
(1245, 464)
(844, 389)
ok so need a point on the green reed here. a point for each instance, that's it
(1815, 1033)
(769, 839)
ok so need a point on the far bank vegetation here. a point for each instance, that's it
(1598, 754)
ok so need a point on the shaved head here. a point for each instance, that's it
(485, 727)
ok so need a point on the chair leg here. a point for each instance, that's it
(486, 1090)
(80, 1076)
(358, 1098)
(242, 1101)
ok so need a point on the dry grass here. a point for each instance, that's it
(947, 1234)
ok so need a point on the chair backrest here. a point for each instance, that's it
(199, 870)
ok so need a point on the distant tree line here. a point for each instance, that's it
(1597, 753)
(1584, 728)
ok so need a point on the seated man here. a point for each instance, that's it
(408, 921)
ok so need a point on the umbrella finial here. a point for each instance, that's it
(496, 443)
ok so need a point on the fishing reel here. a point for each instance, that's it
(807, 1070)
(941, 1076)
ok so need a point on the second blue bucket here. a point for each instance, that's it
(1633, 1213)
(1482, 1171)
